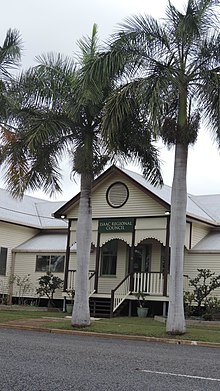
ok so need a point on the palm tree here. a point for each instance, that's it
(171, 70)
(58, 111)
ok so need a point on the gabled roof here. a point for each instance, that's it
(199, 207)
(37, 213)
(110, 171)
(29, 211)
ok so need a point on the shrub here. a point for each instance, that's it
(212, 308)
(204, 283)
(48, 284)
(188, 303)
(24, 285)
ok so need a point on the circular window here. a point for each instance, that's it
(117, 194)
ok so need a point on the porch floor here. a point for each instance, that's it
(131, 297)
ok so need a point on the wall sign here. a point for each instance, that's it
(125, 224)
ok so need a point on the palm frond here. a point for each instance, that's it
(88, 46)
(10, 53)
(208, 94)
(27, 168)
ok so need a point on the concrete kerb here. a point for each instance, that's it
(110, 336)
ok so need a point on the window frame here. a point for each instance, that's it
(48, 263)
(110, 255)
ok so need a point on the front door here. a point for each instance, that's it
(142, 258)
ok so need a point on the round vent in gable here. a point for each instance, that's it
(117, 194)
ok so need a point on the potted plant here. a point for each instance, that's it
(69, 306)
(142, 309)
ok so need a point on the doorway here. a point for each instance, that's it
(142, 258)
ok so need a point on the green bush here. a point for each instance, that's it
(48, 284)
(203, 284)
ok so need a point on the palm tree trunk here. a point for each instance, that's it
(81, 313)
(176, 320)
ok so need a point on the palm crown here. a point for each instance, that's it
(171, 70)
(56, 109)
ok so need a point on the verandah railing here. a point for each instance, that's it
(71, 283)
(150, 283)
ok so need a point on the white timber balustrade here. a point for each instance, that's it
(150, 283)
(72, 281)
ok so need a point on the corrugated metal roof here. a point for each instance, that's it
(53, 243)
(210, 243)
(29, 211)
(211, 203)
(194, 209)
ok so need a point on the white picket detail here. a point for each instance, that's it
(150, 283)
(72, 281)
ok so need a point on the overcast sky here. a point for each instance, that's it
(56, 26)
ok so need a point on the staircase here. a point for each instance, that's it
(100, 307)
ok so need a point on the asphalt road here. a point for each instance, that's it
(33, 361)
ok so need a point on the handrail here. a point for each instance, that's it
(92, 273)
(118, 298)
(91, 280)
(121, 282)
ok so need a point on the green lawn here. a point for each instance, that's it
(147, 327)
(144, 327)
(9, 315)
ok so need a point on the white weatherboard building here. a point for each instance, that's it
(130, 241)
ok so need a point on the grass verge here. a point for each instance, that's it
(147, 327)
(10, 315)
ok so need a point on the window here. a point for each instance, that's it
(50, 263)
(117, 195)
(3, 260)
(109, 258)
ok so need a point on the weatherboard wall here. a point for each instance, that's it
(208, 260)
(12, 235)
(25, 263)
(199, 231)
